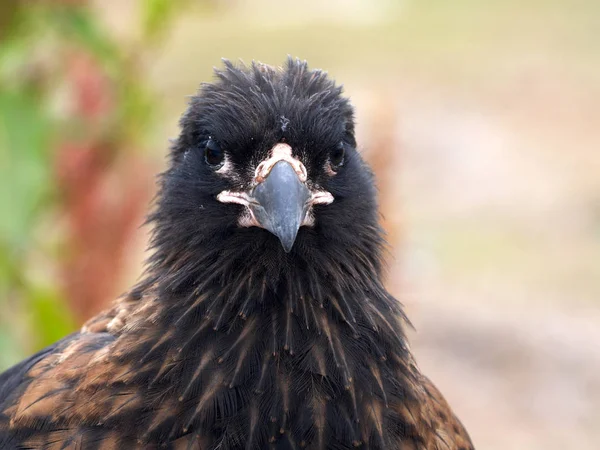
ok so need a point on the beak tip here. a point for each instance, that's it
(287, 242)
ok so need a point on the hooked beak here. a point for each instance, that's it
(281, 203)
(280, 200)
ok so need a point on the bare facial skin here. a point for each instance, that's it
(280, 152)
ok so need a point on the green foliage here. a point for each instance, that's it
(33, 39)
(25, 166)
(80, 26)
(49, 315)
(156, 14)
(26, 188)
(9, 351)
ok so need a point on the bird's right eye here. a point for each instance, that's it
(213, 155)
(336, 158)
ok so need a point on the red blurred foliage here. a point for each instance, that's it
(92, 90)
(104, 187)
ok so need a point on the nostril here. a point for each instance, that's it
(280, 152)
(260, 177)
(301, 171)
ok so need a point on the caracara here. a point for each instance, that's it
(261, 321)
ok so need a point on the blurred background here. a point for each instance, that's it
(481, 119)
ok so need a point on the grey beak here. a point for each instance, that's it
(282, 202)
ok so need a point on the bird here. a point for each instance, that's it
(261, 320)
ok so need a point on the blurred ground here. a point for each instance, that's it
(490, 112)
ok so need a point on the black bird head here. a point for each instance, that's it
(265, 173)
(262, 321)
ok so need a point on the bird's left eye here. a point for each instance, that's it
(336, 158)
(213, 155)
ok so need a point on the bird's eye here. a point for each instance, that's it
(213, 155)
(336, 158)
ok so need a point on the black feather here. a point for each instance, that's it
(229, 342)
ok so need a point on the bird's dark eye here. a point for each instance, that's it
(213, 155)
(336, 158)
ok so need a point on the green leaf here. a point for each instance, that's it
(25, 168)
(10, 350)
(156, 15)
(79, 24)
(9, 15)
(50, 315)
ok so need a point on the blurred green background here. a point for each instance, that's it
(481, 120)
